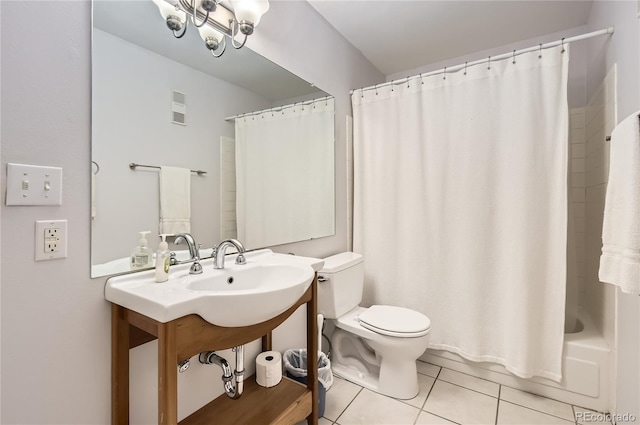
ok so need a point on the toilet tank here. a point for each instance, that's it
(340, 284)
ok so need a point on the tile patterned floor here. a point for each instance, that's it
(446, 397)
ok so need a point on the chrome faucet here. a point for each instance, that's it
(194, 251)
(220, 251)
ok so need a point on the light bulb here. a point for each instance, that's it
(250, 11)
(207, 31)
(167, 10)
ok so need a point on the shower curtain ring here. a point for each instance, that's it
(514, 57)
(562, 51)
(376, 87)
(465, 68)
(540, 52)
(489, 67)
(407, 81)
(421, 80)
(362, 92)
(444, 73)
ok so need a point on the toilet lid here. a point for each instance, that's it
(395, 321)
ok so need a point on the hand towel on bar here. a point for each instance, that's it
(175, 200)
(620, 259)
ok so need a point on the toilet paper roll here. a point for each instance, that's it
(269, 369)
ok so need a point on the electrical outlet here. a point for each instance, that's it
(51, 239)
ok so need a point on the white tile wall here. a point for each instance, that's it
(589, 174)
(578, 193)
(600, 119)
(228, 224)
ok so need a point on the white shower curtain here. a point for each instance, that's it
(284, 174)
(460, 206)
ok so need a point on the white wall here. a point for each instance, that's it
(55, 321)
(623, 50)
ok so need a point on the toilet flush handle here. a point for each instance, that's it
(322, 279)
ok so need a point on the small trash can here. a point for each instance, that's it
(295, 367)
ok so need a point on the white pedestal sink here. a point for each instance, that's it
(238, 295)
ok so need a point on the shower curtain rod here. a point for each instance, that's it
(512, 54)
(278, 108)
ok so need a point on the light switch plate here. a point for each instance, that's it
(51, 239)
(33, 185)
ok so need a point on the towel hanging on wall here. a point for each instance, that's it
(620, 259)
(175, 200)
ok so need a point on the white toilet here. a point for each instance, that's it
(376, 347)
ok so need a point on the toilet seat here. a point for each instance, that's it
(395, 321)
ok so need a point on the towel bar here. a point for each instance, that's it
(133, 166)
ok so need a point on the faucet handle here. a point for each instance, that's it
(240, 259)
(196, 268)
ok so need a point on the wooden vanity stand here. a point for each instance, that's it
(288, 402)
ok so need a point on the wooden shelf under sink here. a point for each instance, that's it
(287, 403)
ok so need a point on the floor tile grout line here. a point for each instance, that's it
(442, 417)
(428, 394)
(424, 374)
(537, 395)
(425, 400)
(498, 404)
(500, 392)
(349, 404)
(499, 399)
(536, 410)
(468, 374)
(417, 416)
(460, 385)
(470, 389)
(421, 408)
(586, 408)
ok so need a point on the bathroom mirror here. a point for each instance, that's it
(162, 101)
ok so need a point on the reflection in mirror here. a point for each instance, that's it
(167, 102)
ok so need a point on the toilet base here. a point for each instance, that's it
(370, 381)
(384, 364)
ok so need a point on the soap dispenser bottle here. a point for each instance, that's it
(141, 257)
(163, 259)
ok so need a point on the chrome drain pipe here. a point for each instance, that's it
(233, 391)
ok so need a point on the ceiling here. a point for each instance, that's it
(402, 35)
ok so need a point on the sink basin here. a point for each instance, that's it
(254, 292)
(238, 295)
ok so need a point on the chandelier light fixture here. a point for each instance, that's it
(214, 20)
